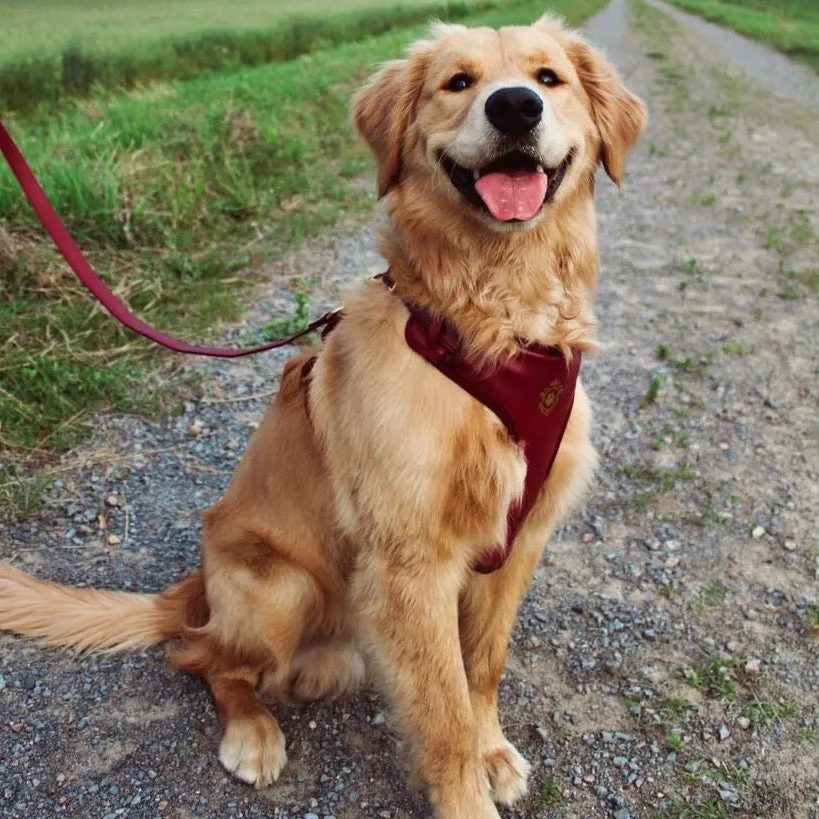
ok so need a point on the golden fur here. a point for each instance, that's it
(350, 528)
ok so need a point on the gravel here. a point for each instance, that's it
(656, 574)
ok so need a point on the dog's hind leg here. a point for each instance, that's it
(261, 609)
(252, 746)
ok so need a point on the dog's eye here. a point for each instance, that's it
(548, 77)
(460, 82)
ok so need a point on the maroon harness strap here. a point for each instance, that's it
(89, 277)
(532, 393)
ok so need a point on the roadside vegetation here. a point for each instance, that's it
(791, 26)
(177, 191)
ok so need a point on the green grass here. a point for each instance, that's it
(52, 50)
(176, 192)
(714, 677)
(551, 795)
(791, 26)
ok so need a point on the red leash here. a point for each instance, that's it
(101, 292)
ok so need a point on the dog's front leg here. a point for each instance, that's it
(411, 614)
(487, 612)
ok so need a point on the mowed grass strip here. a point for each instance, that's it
(51, 51)
(790, 26)
(177, 194)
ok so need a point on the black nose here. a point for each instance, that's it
(514, 111)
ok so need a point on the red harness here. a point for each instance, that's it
(532, 393)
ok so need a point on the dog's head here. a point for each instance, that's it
(503, 125)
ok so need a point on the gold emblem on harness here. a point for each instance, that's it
(550, 396)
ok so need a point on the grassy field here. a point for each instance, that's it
(176, 193)
(43, 27)
(791, 26)
(51, 51)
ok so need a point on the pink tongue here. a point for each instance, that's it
(513, 195)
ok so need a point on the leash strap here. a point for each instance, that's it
(90, 278)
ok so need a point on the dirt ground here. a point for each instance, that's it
(665, 659)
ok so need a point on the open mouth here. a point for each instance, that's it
(512, 188)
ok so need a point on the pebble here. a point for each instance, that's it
(622, 814)
(757, 532)
(753, 666)
(114, 540)
(112, 501)
(724, 732)
(744, 723)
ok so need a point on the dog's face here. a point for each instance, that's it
(499, 125)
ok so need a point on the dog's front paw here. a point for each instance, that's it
(252, 749)
(507, 771)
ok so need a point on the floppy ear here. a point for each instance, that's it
(619, 115)
(383, 110)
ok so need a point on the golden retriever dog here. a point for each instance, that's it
(375, 483)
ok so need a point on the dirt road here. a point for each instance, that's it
(667, 652)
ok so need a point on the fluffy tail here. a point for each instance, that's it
(91, 620)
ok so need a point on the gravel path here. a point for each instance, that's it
(665, 655)
(765, 66)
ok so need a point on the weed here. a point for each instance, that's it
(653, 390)
(713, 595)
(812, 616)
(808, 735)
(734, 348)
(713, 676)
(683, 809)
(663, 352)
(715, 111)
(708, 200)
(20, 495)
(768, 710)
(290, 325)
(692, 266)
(551, 795)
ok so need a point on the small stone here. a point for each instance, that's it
(620, 761)
(723, 446)
(114, 540)
(744, 723)
(312, 725)
(622, 814)
(195, 428)
(83, 530)
(650, 634)
(232, 445)
(112, 501)
(692, 766)
(724, 732)
(789, 546)
(672, 562)
(757, 532)
(728, 795)
(589, 779)
(379, 718)
(753, 666)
